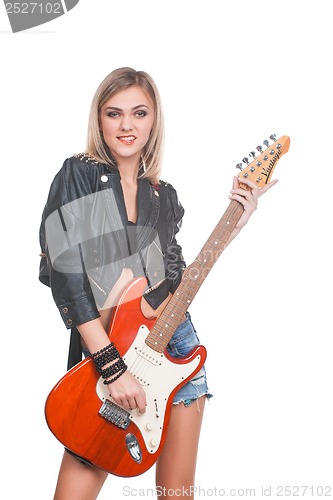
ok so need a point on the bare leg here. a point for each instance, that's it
(175, 468)
(77, 481)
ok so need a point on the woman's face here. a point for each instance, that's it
(126, 120)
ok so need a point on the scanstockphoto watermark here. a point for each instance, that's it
(183, 492)
(263, 491)
(25, 15)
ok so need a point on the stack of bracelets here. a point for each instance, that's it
(105, 356)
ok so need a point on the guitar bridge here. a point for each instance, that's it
(114, 414)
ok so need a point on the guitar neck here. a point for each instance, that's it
(193, 277)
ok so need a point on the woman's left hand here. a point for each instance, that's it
(248, 198)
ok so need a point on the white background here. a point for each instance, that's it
(230, 74)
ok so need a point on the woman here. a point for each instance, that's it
(108, 218)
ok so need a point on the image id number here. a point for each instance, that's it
(304, 491)
(33, 7)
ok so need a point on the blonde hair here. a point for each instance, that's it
(121, 79)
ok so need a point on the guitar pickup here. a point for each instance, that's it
(114, 414)
(150, 355)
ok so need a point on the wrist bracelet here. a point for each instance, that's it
(113, 369)
(109, 354)
(104, 356)
(109, 381)
(103, 350)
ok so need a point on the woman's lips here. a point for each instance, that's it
(126, 139)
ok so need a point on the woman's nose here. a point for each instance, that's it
(126, 123)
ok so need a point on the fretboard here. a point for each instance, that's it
(193, 277)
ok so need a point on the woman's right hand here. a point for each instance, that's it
(128, 392)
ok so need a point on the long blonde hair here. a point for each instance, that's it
(121, 79)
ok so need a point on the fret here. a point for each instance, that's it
(202, 265)
(191, 278)
(183, 297)
(163, 327)
(175, 311)
(156, 343)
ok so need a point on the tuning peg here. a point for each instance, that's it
(246, 160)
(253, 154)
(259, 148)
(239, 166)
(266, 142)
(273, 137)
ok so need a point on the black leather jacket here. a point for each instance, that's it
(86, 242)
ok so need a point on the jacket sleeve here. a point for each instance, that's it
(62, 266)
(173, 258)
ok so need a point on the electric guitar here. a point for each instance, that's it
(79, 410)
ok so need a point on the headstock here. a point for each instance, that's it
(261, 167)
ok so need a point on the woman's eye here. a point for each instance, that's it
(141, 113)
(113, 114)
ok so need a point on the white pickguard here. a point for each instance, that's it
(159, 377)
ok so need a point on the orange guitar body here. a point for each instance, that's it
(72, 407)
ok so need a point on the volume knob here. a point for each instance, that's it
(148, 427)
(153, 443)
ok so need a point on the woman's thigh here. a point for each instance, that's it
(175, 468)
(78, 481)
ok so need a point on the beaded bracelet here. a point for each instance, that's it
(113, 369)
(106, 348)
(117, 375)
(103, 357)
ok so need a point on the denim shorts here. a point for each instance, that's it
(182, 342)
